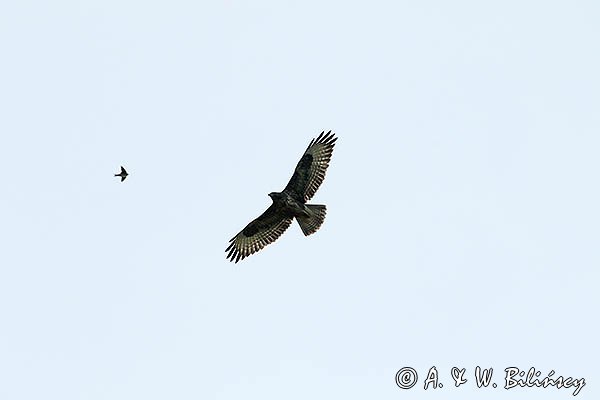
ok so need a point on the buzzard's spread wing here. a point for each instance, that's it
(310, 171)
(257, 234)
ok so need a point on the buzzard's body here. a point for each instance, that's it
(290, 203)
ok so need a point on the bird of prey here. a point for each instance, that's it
(290, 203)
(123, 174)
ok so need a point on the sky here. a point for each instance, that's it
(462, 196)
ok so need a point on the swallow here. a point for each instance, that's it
(123, 174)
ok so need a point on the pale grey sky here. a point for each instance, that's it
(462, 226)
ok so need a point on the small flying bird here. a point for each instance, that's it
(290, 203)
(123, 174)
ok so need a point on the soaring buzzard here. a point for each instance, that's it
(289, 203)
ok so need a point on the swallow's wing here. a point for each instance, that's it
(123, 170)
(123, 177)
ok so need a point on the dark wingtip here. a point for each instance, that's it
(327, 138)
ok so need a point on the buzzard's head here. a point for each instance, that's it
(275, 195)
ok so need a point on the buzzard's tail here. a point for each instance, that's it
(313, 222)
